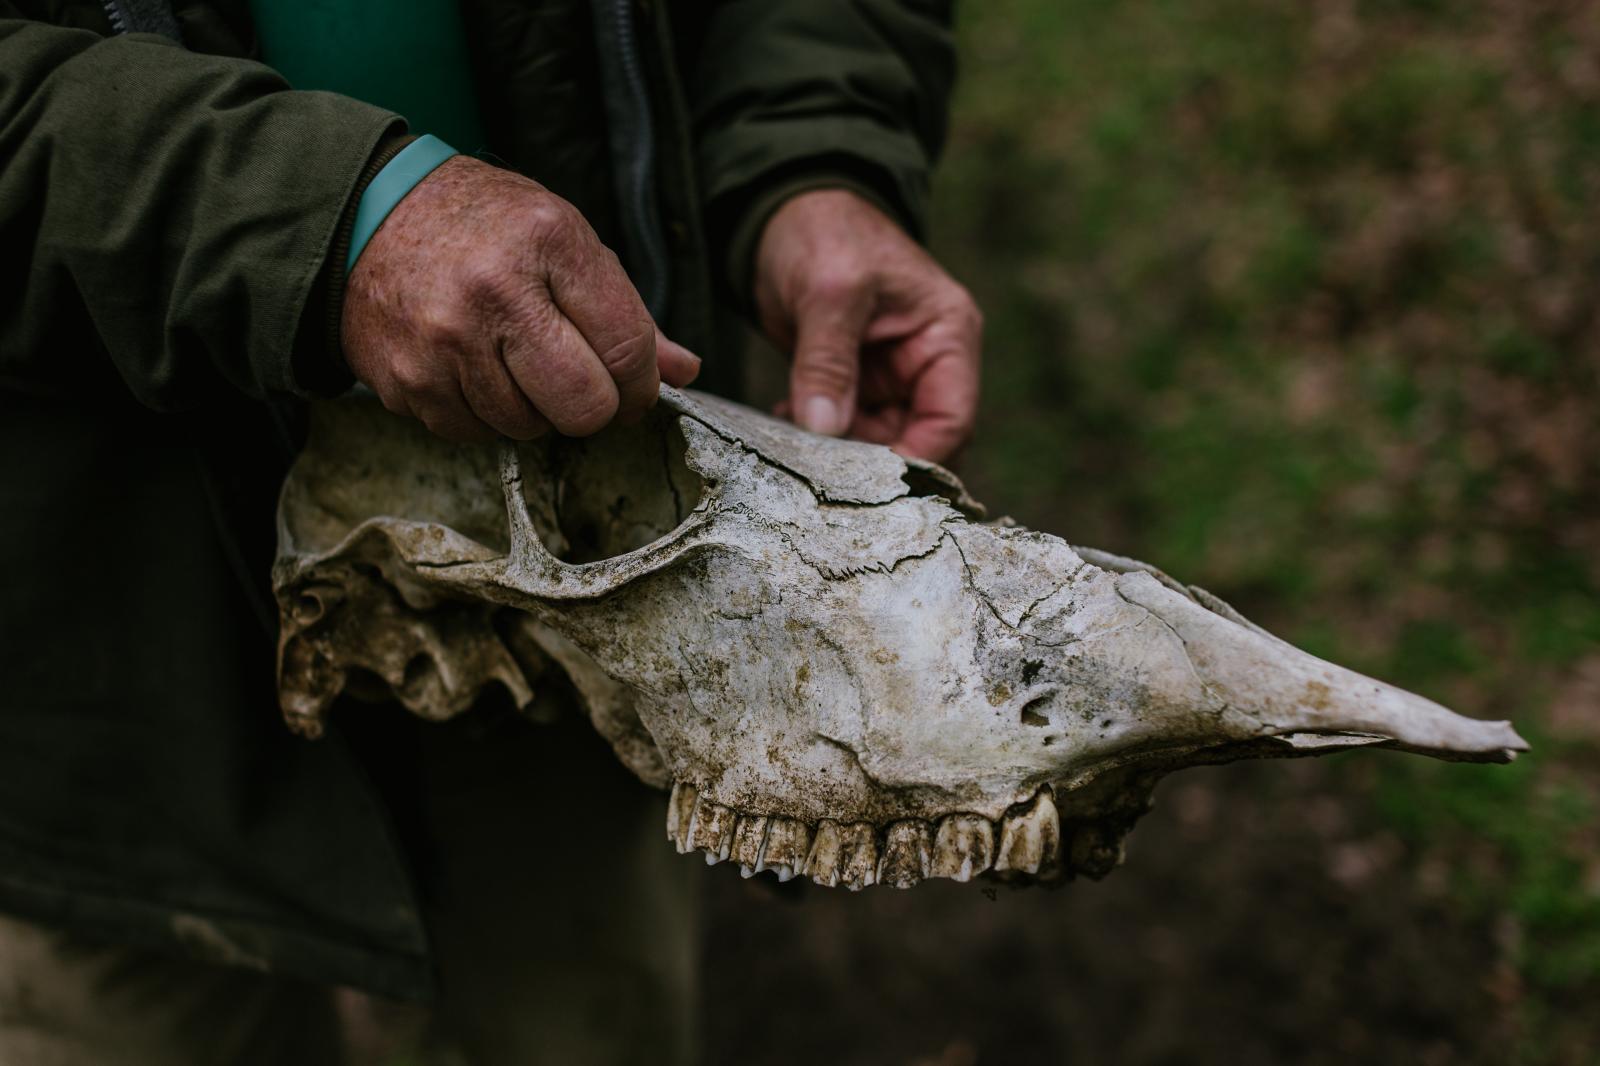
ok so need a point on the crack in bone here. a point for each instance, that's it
(804, 603)
(849, 749)
(810, 482)
(983, 598)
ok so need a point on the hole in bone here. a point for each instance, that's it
(418, 669)
(936, 481)
(924, 483)
(308, 608)
(597, 497)
(1032, 712)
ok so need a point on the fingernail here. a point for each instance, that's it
(821, 415)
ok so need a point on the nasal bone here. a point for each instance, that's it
(1289, 691)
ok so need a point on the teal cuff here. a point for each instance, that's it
(409, 166)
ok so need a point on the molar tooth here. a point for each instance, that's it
(1030, 842)
(907, 854)
(712, 831)
(748, 836)
(787, 846)
(964, 847)
(680, 813)
(843, 855)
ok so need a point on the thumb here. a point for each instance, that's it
(827, 364)
(678, 365)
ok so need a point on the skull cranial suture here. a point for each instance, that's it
(834, 663)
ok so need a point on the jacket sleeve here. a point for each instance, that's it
(785, 93)
(171, 211)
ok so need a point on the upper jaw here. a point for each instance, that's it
(1042, 768)
(839, 674)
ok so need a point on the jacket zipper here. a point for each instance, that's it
(142, 16)
(632, 142)
(119, 21)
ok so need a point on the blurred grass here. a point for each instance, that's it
(1299, 302)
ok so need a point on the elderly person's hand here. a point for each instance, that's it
(485, 304)
(885, 343)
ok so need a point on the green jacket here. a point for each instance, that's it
(169, 295)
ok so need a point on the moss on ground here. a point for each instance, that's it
(1299, 302)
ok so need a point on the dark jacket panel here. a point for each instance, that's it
(170, 284)
(784, 88)
(166, 214)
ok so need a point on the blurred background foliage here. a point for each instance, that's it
(1299, 302)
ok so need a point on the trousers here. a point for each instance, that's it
(563, 927)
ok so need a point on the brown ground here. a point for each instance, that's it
(1302, 303)
(1261, 919)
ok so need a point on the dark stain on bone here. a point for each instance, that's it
(1030, 670)
(1318, 696)
(802, 675)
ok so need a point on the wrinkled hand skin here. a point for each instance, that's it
(485, 305)
(885, 344)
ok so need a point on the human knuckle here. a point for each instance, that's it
(836, 283)
(548, 216)
(632, 354)
(414, 377)
(438, 327)
(610, 262)
(487, 279)
(964, 318)
(829, 369)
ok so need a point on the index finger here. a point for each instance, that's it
(942, 407)
(594, 293)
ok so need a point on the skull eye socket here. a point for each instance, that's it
(594, 498)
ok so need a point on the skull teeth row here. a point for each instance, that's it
(858, 854)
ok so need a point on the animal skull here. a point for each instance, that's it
(838, 668)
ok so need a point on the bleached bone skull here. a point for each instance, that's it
(838, 668)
